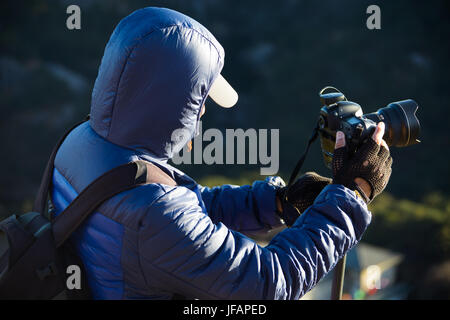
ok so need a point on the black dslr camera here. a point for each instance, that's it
(339, 114)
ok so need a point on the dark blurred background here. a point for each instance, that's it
(279, 54)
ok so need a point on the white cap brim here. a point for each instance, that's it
(223, 93)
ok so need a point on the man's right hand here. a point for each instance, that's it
(368, 170)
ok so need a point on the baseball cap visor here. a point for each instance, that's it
(223, 93)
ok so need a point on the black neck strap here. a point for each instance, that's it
(300, 162)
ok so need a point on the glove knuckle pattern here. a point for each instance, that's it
(370, 162)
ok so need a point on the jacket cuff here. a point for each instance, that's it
(338, 196)
(264, 193)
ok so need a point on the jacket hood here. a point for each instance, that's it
(155, 74)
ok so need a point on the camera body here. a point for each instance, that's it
(402, 127)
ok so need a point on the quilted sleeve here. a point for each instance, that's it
(183, 251)
(249, 208)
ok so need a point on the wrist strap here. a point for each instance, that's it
(359, 193)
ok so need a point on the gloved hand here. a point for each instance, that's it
(371, 164)
(300, 196)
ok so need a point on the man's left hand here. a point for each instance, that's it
(300, 196)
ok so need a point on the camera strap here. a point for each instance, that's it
(300, 162)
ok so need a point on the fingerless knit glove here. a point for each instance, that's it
(371, 162)
(300, 195)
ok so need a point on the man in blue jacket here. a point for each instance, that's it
(158, 241)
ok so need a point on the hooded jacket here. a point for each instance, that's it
(155, 241)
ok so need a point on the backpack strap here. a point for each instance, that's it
(115, 181)
(41, 198)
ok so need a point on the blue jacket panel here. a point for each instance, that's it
(155, 241)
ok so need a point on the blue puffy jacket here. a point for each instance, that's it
(155, 241)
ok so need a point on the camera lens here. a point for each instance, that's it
(402, 125)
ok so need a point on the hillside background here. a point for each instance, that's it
(279, 54)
